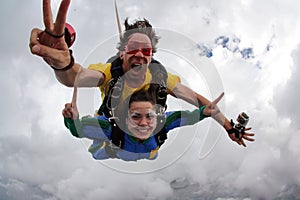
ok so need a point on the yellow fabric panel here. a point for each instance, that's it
(105, 69)
(172, 81)
(153, 153)
(127, 91)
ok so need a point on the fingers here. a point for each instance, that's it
(242, 142)
(238, 141)
(37, 48)
(59, 27)
(67, 111)
(245, 136)
(54, 50)
(212, 108)
(70, 112)
(47, 12)
(249, 139)
(34, 38)
(249, 134)
(61, 17)
(54, 57)
(216, 101)
(75, 114)
(74, 98)
(68, 105)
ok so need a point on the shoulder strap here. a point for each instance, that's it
(158, 71)
(161, 136)
(116, 71)
(116, 140)
(159, 80)
(159, 87)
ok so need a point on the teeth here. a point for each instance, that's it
(143, 130)
(135, 65)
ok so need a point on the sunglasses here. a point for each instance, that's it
(144, 51)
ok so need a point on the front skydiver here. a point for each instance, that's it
(140, 122)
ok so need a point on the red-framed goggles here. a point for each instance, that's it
(144, 51)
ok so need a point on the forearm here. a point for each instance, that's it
(84, 129)
(222, 120)
(79, 76)
(198, 100)
(68, 77)
(188, 95)
(91, 128)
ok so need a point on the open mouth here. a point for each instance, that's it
(136, 66)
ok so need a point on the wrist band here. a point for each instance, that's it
(69, 66)
(202, 115)
(233, 130)
(52, 35)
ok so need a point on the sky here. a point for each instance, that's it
(249, 49)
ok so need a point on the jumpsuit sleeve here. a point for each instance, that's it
(91, 128)
(184, 118)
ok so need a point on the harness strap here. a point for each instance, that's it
(161, 136)
(116, 140)
(116, 72)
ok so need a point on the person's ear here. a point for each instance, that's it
(122, 55)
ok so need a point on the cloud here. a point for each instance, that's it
(287, 96)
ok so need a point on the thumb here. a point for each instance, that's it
(58, 58)
(36, 49)
(74, 97)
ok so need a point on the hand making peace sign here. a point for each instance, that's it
(212, 109)
(50, 43)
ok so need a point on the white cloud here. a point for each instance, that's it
(288, 95)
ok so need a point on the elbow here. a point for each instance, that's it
(69, 84)
(66, 82)
(68, 78)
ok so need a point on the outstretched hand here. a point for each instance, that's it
(70, 110)
(50, 43)
(242, 136)
(212, 109)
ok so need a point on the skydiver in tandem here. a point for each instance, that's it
(143, 130)
(135, 64)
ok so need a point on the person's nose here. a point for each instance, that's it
(143, 122)
(139, 53)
